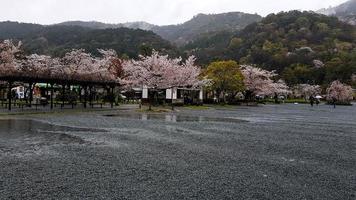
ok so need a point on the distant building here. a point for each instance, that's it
(177, 95)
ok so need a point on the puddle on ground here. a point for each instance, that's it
(174, 118)
(29, 137)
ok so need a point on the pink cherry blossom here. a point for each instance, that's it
(260, 82)
(161, 72)
(306, 90)
(340, 92)
(9, 64)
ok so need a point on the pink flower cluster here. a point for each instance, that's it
(339, 92)
(261, 82)
(161, 72)
(76, 65)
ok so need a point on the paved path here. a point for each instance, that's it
(266, 152)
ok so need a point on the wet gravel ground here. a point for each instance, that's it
(265, 152)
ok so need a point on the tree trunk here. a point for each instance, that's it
(80, 93)
(140, 105)
(63, 94)
(52, 96)
(25, 94)
(46, 90)
(150, 99)
(112, 97)
(32, 85)
(155, 98)
(91, 96)
(224, 97)
(172, 98)
(85, 96)
(9, 95)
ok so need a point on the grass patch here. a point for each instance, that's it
(221, 106)
(192, 107)
(154, 110)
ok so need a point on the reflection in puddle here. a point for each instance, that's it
(15, 127)
(28, 137)
(174, 118)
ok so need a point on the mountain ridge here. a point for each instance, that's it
(345, 12)
(56, 40)
(291, 43)
(205, 23)
(100, 25)
(186, 32)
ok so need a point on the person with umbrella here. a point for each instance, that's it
(318, 97)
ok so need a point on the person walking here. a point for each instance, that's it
(334, 102)
(311, 99)
(317, 101)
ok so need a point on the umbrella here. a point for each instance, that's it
(319, 97)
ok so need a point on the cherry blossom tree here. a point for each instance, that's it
(280, 88)
(260, 82)
(110, 66)
(306, 90)
(10, 55)
(150, 71)
(36, 66)
(339, 92)
(75, 66)
(257, 81)
(57, 69)
(78, 65)
(110, 69)
(82, 66)
(9, 62)
(185, 74)
(160, 72)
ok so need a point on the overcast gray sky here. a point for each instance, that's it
(159, 12)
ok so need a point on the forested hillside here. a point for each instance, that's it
(56, 40)
(101, 25)
(202, 25)
(199, 26)
(18, 30)
(304, 47)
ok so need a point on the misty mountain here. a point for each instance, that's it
(56, 40)
(18, 30)
(203, 24)
(100, 25)
(345, 12)
(181, 34)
